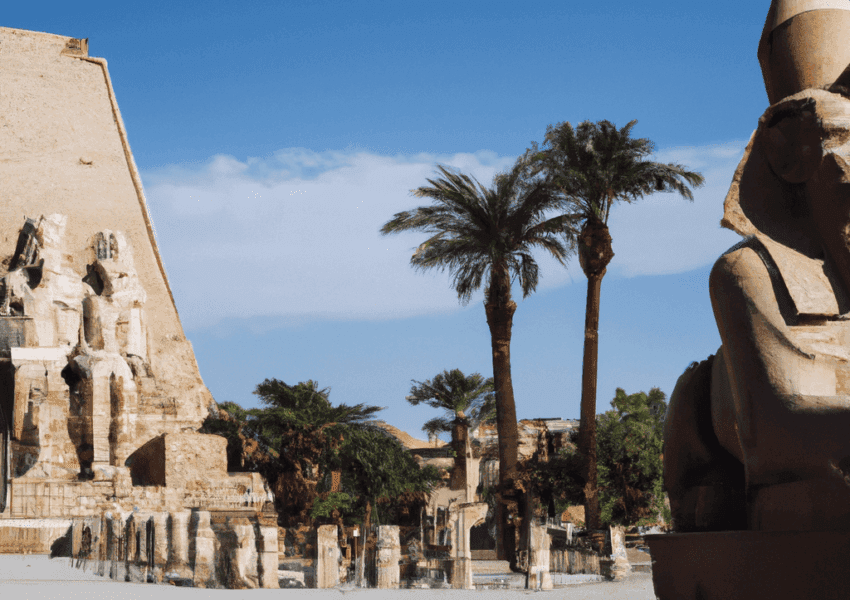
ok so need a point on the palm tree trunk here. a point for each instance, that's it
(500, 312)
(595, 253)
(587, 428)
(460, 443)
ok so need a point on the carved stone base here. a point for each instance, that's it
(748, 565)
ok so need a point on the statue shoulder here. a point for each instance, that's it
(767, 271)
(746, 260)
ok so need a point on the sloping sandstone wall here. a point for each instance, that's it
(63, 150)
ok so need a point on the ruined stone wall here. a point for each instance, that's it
(63, 150)
(100, 392)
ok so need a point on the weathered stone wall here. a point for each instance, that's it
(66, 152)
(198, 548)
(64, 499)
(194, 458)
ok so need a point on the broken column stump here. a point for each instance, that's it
(389, 557)
(327, 557)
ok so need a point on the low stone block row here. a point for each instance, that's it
(197, 548)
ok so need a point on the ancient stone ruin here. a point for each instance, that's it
(100, 394)
(757, 437)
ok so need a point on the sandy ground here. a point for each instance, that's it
(23, 577)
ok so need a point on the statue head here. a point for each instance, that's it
(805, 44)
(793, 184)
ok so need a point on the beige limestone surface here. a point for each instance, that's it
(97, 380)
(64, 150)
(388, 557)
(805, 44)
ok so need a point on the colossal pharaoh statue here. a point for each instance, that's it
(101, 399)
(758, 436)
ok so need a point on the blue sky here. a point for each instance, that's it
(274, 139)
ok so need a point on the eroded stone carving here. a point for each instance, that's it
(757, 435)
(94, 364)
(462, 518)
(201, 549)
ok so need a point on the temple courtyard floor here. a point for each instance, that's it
(38, 576)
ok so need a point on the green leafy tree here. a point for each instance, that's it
(295, 432)
(556, 482)
(376, 469)
(302, 424)
(467, 400)
(487, 234)
(302, 405)
(630, 440)
(305, 438)
(591, 167)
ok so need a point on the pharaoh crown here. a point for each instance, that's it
(805, 44)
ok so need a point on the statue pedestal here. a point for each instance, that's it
(748, 565)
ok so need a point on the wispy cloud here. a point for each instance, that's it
(664, 233)
(295, 234)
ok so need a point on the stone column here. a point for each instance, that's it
(159, 543)
(538, 563)
(131, 549)
(389, 555)
(76, 537)
(268, 549)
(621, 567)
(178, 556)
(142, 550)
(202, 549)
(327, 557)
(115, 546)
(462, 518)
(98, 544)
(243, 554)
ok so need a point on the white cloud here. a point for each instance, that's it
(665, 233)
(297, 235)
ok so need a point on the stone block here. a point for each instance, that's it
(327, 557)
(202, 549)
(389, 557)
(742, 565)
(177, 460)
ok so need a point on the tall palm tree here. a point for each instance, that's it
(301, 426)
(592, 166)
(477, 232)
(467, 401)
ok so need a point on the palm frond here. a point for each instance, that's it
(473, 229)
(593, 165)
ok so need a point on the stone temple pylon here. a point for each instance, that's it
(100, 393)
(84, 286)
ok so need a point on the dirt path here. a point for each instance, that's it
(41, 577)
